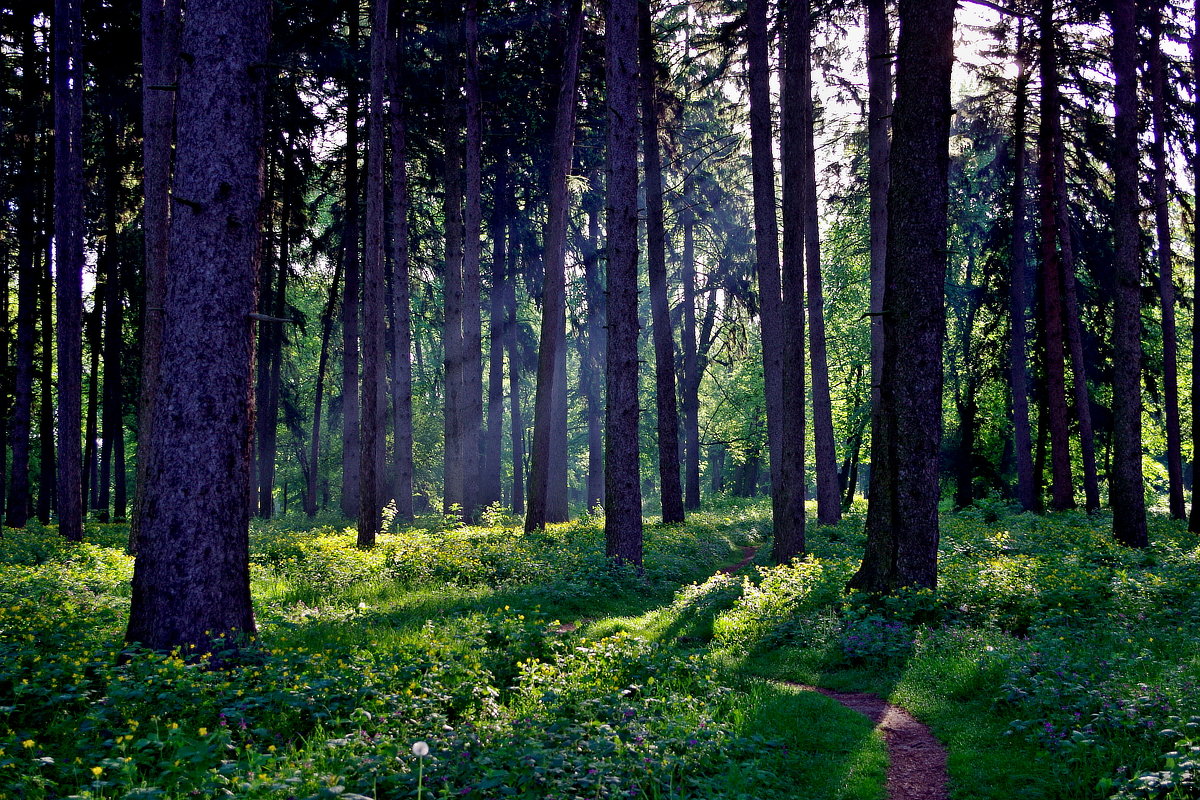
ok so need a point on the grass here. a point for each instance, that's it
(1052, 663)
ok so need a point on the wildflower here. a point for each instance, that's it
(204, 731)
(97, 771)
(420, 749)
(28, 744)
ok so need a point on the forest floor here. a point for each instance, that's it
(1050, 663)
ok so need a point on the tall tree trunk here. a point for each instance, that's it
(113, 428)
(472, 324)
(516, 424)
(656, 260)
(371, 443)
(310, 494)
(91, 476)
(902, 519)
(1053, 324)
(1126, 489)
(453, 492)
(690, 401)
(829, 510)
(1018, 294)
(352, 296)
(191, 580)
(271, 341)
(622, 484)
(47, 478)
(783, 396)
(493, 442)
(1194, 517)
(592, 369)
(161, 22)
(551, 346)
(401, 292)
(28, 281)
(68, 258)
(879, 123)
(967, 391)
(1166, 283)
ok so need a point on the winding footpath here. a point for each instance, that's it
(916, 759)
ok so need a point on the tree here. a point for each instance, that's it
(191, 580)
(68, 258)
(1194, 518)
(622, 484)
(902, 521)
(879, 122)
(553, 333)
(352, 296)
(1126, 491)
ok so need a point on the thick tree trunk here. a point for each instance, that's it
(622, 484)
(552, 343)
(656, 260)
(592, 370)
(1126, 489)
(1194, 517)
(28, 281)
(829, 510)
(352, 297)
(1166, 283)
(472, 324)
(902, 520)
(1018, 294)
(161, 24)
(371, 442)
(68, 258)
(879, 123)
(787, 491)
(453, 491)
(401, 293)
(1062, 488)
(191, 581)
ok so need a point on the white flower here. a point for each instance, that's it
(420, 749)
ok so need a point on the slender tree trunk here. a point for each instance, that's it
(967, 391)
(310, 495)
(28, 281)
(656, 260)
(902, 520)
(453, 493)
(516, 424)
(781, 350)
(622, 483)
(47, 479)
(91, 479)
(1166, 283)
(161, 22)
(829, 510)
(1018, 295)
(690, 402)
(1194, 518)
(879, 123)
(113, 428)
(191, 580)
(472, 406)
(68, 257)
(1054, 328)
(352, 297)
(401, 292)
(1126, 489)
(551, 347)
(493, 444)
(272, 357)
(592, 370)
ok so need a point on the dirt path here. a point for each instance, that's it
(916, 759)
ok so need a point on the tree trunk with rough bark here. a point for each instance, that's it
(516, 424)
(552, 342)
(352, 297)
(493, 441)
(902, 518)
(1127, 494)
(310, 493)
(453, 346)
(191, 580)
(622, 484)
(1194, 517)
(690, 401)
(879, 124)
(593, 358)
(472, 324)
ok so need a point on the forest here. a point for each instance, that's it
(550, 399)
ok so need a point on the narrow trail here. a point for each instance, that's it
(916, 759)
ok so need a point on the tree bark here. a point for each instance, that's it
(516, 424)
(453, 491)
(1018, 294)
(1053, 325)
(47, 479)
(68, 258)
(352, 297)
(371, 442)
(902, 518)
(829, 510)
(622, 484)
(401, 293)
(593, 360)
(310, 494)
(1194, 517)
(690, 401)
(879, 123)
(113, 427)
(1126, 489)
(1166, 283)
(551, 346)
(191, 580)
(493, 442)
(656, 260)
